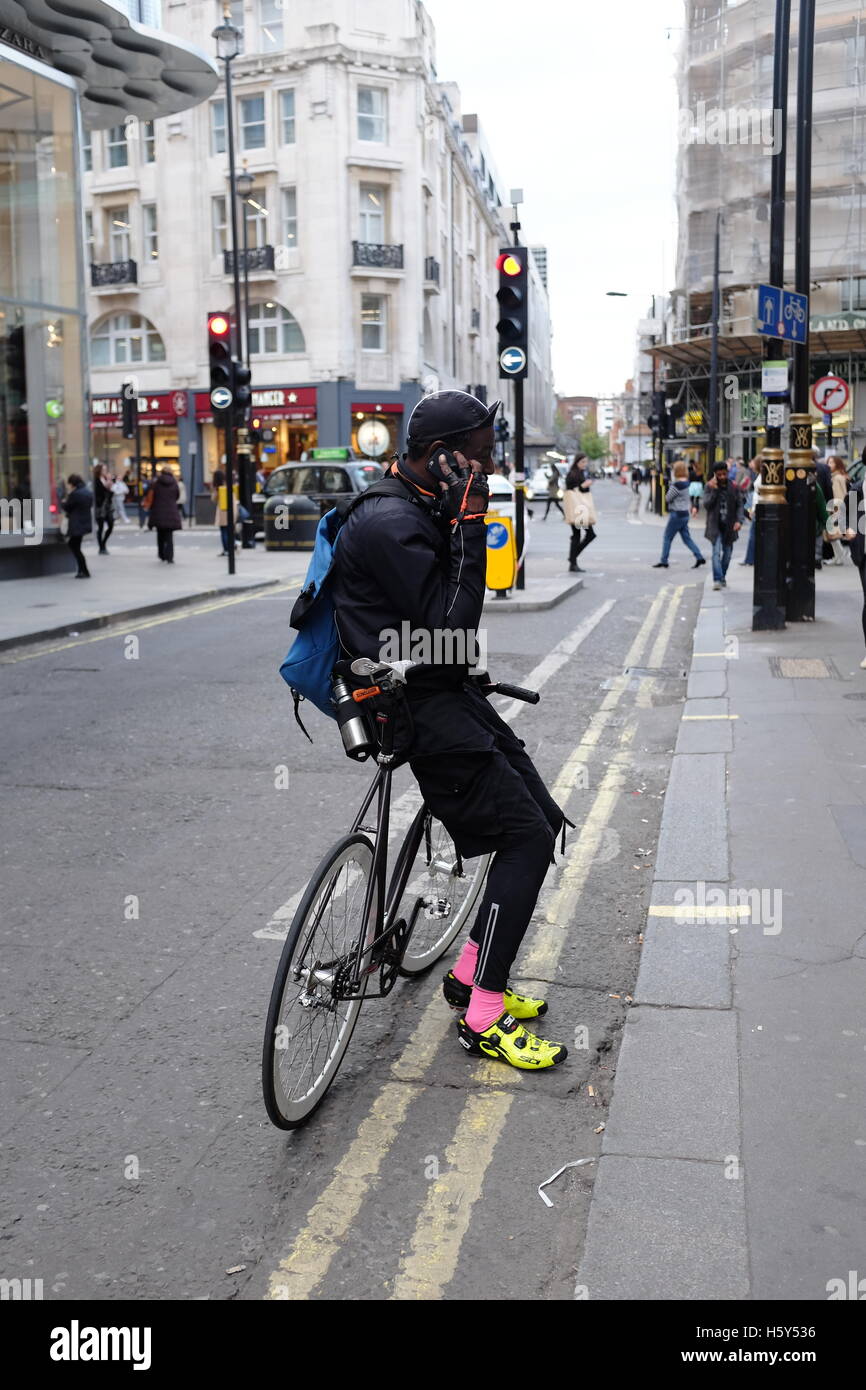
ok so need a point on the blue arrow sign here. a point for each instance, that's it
(512, 360)
(782, 314)
(221, 398)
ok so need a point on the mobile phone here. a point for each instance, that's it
(434, 468)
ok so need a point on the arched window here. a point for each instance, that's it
(273, 330)
(125, 338)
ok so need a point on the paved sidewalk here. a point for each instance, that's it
(733, 1160)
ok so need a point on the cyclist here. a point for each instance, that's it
(418, 565)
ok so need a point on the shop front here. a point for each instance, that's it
(376, 429)
(156, 446)
(285, 418)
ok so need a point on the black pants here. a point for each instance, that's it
(552, 502)
(164, 543)
(862, 569)
(577, 545)
(477, 778)
(104, 528)
(75, 546)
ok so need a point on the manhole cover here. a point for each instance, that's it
(803, 668)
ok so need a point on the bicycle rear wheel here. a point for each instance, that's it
(308, 1029)
(440, 893)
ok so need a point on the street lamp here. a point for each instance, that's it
(228, 46)
(244, 184)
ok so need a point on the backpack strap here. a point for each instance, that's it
(392, 486)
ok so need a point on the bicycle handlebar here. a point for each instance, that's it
(513, 692)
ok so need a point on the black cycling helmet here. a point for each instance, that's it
(445, 413)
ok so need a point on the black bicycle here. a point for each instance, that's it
(354, 923)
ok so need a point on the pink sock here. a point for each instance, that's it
(464, 970)
(484, 1008)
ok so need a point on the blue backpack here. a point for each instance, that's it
(311, 659)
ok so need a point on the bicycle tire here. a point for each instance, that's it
(425, 946)
(284, 1111)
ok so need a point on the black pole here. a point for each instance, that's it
(519, 473)
(770, 517)
(713, 429)
(245, 336)
(236, 336)
(800, 477)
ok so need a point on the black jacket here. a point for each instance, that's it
(164, 514)
(736, 511)
(78, 506)
(400, 570)
(856, 519)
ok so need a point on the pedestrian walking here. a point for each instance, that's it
(580, 513)
(856, 540)
(220, 497)
(78, 506)
(679, 510)
(103, 498)
(723, 505)
(553, 488)
(164, 516)
(839, 481)
(751, 502)
(120, 492)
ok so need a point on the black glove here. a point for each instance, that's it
(463, 490)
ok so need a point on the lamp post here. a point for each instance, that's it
(228, 46)
(243, 188)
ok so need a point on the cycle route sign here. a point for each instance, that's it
(782, 314)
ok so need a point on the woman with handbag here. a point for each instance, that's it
(103, 498)
(580, 513)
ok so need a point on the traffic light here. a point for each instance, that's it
(128, 410)
(254, 433)
(512, 264)
(241, 392)
(219, 332)
(659, 420)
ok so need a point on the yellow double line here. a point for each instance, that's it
(430, 1263)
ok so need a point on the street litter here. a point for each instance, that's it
(576, 1163)
(236, 1269)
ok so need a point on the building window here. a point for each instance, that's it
(218, 127)
(256, 214)
(371, 227)
(271, 25)
(123, 339)
(87, 151)
(219, 241)
(89, 240)
(855, 61)
(117, 220)
(287, 116)
(273, 330)
(290, 216)
(372, 111)
(854, 293)
(149, 142)
(118, 149)
(373, 322)
(151, 234)
(252, 122)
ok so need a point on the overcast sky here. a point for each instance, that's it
(578, 103)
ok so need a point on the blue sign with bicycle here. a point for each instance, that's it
(782, 314)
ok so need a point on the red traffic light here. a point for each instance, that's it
(218, 326)
(509, 264)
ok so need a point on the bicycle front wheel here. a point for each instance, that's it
(309, 1027)
(440, 892)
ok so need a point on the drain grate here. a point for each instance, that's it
(803, 668)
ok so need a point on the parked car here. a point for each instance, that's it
(320, 481)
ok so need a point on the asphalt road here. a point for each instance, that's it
(149, 847)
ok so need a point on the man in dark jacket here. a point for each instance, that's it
(78, 506)
(164, 516)
(415, 566)
(725, 511)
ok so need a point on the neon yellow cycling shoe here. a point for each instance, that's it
(518, 1005)
(508, 1041)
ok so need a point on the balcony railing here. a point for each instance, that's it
(256, 258)
(114, 273)
(431, 270)
(371, 253)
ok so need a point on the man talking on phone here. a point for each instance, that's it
(417, 563)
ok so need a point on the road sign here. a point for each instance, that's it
(782, 314)
(512, 360)
(774, 378)
(830, 394)
(221, 398)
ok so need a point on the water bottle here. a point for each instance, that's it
(355, 730)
